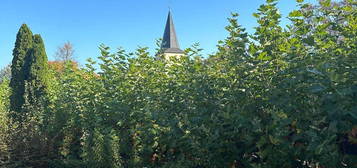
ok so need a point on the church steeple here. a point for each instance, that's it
(169, 41)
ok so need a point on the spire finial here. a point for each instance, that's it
(170, 4)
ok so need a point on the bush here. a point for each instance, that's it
(275, 98)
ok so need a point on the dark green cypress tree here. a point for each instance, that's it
(23, 44)
(29, 74)
(37, 80)
(32, 79)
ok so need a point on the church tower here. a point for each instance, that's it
(170, 46)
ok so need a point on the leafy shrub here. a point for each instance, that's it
(281, 97)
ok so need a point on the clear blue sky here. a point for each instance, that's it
(125, 23)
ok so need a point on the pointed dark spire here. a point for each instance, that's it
(169, 41)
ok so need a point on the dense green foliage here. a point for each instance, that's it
(30, 74)
(28, 100)
(281, 97)
(20, 53)
(37, 80)
(4, 103)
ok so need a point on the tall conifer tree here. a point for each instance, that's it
(23, 44)
(30, 73)
(37, 68)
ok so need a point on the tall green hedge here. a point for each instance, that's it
(280, 97)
